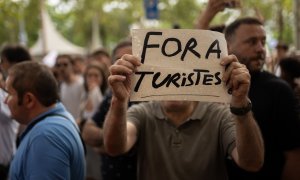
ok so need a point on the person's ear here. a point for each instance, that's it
(29, 100)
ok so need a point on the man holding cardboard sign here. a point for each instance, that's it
(178, 137)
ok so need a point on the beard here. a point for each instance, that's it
(255, 63)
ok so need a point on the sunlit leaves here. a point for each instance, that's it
(116, 16)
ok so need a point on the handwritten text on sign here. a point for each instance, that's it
(179, 65)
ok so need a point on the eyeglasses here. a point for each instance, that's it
(61, 65)
(92, 75)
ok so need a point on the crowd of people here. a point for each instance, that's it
(74, 120)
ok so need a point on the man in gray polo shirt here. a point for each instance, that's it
(179, 140)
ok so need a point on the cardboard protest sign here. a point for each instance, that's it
(179, 64)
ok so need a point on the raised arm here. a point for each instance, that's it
(120, 135)
(249, 151)
(210, 11)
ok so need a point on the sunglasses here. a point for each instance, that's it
(61, 64)
(92, 75)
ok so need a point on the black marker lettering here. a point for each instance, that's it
(183, 79)
(191, 44)
(174, 80)
(146, 45)
(211, 50)
(156, 76)
(217, 76)
(207, 78)
(163, 48)
(137, 86)
(190, 79)
(198, 71)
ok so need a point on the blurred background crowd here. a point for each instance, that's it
(80, 39)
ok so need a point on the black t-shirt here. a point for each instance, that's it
(276, 112)
(118, 167)
(99, 116)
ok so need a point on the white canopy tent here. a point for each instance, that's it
(50, 40)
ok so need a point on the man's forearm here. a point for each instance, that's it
(249, 143)
(115, 133)
(92, 134)
(209, 12)
(204, 19)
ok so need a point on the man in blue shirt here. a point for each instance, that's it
(51, 146)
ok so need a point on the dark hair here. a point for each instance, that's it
(120, 45)
(78, 59)
(100, 52)
(283, 46)
(37, 79)
(15, 53)
(231, 28)
(66, 56)
(176, 26)
(291, 68)
(103, 71)
(218, 28)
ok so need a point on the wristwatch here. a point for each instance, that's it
(240, 111)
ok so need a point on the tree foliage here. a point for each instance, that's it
(115, 18)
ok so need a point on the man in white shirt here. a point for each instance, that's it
(71, 87)
(10, 55)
